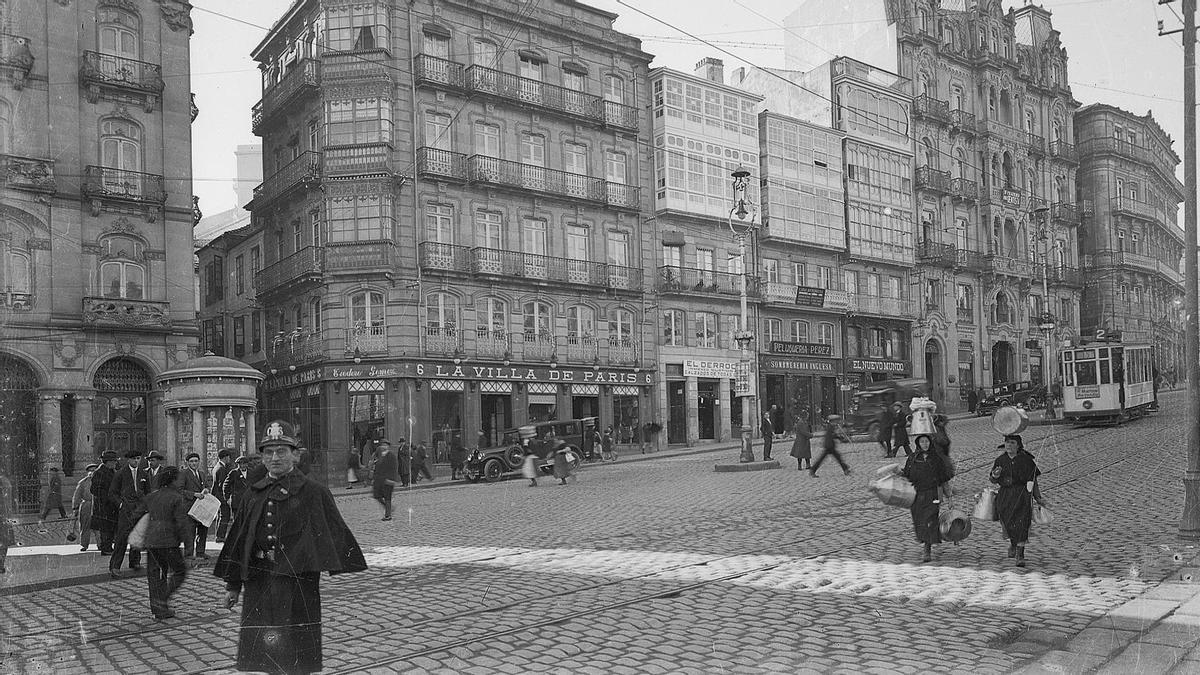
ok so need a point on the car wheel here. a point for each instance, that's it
(575, 454)
(514, 455)
(493, 469)
(1034, 403)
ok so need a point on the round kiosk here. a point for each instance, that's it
(210, 403)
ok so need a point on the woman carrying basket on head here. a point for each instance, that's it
(1016, 473)
(928, 473)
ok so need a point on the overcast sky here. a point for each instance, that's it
(1116, 57)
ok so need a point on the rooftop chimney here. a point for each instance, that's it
(712, 69)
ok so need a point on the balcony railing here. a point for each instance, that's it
(1062, 274)
(357, 159)
(969, 260)
(441, 163)
(531, 178)
(366, 340)
(443, 341)
(880, 306)
(102, 182)
(433, 70)
(927, 106)
(492, 344)
(929, 178)
(305, 76)
(508, 86)
(624, 351)
(360, 256)
(499, 262)
(1000, 130)
(1067, 213)
(620, 115)
(307, 263)
(934, 253)
(963, 120)
(1063, 150)
(297, 348)
(672, 279)
(125, 313)
(963, 188)
(581, 349)
(16, 58)
(28, 173)
(1015, 267)
(436, 256)
(107, 70)
(534, 346)
(304, 170)
(1132, 207)
(1035, 142)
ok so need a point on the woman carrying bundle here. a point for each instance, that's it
(929, 475)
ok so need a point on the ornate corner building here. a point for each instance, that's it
(96, 210)
(447, 242)
(998, 218)
(1131, 237)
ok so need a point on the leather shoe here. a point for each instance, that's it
(115, 574)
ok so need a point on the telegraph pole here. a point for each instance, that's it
(1189, 526)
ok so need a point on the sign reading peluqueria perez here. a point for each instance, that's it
(801, 348)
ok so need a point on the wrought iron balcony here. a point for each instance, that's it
(433, 70)
(783, 293)
(362, 158)
(928, 178)
(581, 349)
(1067, 276)
(963, 188)
(360, 257)
(927, 106)
(1013, 267)
(98, 72)
(962, 120)
(517, 264)
(102, 182)
(686, 281)
(533, 346)
(303, 78)
(125, 313)
(1066, 213)
(881, 306)
(442, 164)
(1036, 143)
(1064, 151)
(366, 340)
(28, 173)
(624, 351)
(497, 83)
(307, 264)
(16, 59)
(1000, 130)
(532, 178)
(442, 341)
(305, 171)
(297, 348)
(933, 253)
(492, 344)
(969, 260)
(620, 116)
(435, 256)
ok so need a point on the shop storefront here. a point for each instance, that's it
(799, 377)
(701, 405)
(441, 402)
(861, 372)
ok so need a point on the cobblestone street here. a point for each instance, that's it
(665, 566)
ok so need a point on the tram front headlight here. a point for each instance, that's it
(1087, 405)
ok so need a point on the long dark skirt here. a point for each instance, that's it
(1014, 510)
(281, 624)
(925, 517)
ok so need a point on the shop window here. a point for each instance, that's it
(368, 416)
(626, 420)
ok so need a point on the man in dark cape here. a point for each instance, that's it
(104, 509)
(288, 531)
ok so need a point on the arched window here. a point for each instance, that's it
(1057, 129)
(492, 316)
(118, 34)
(673, 328)
(1003, 312)
(620, 324)
(314, 313)
(960, 163)
(799, 331)
(581, 321)
(536, 318)
(930, 153)
(923, 14)
(441, 313)
(120, 144)
(1008, 170)
(367, 309)
(995, 174)
(924, 86)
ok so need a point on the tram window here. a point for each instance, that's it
(1105, 364)
(1085, 372)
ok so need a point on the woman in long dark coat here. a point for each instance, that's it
(288, 531)
(927, 472)
(802, 445)
(1015, 471)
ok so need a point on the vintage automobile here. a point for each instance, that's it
(490, 464)
(1024, 394)
(867, 404)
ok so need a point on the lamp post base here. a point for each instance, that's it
(747, 446)
(1189, 526)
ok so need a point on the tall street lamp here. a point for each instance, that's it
(743, 214)
(1046, 320)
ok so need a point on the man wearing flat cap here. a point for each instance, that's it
(104, 508)
(154, 462)
(287, 532)
(127, 489)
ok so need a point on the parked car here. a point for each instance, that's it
(1024, 394)
(862, 414)
(490, 464)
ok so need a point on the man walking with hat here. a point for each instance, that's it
(387, 469)
(288, 531)
(127, 489)
(196, 484)
(104, 509)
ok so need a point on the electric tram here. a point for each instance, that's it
(1107, 381)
